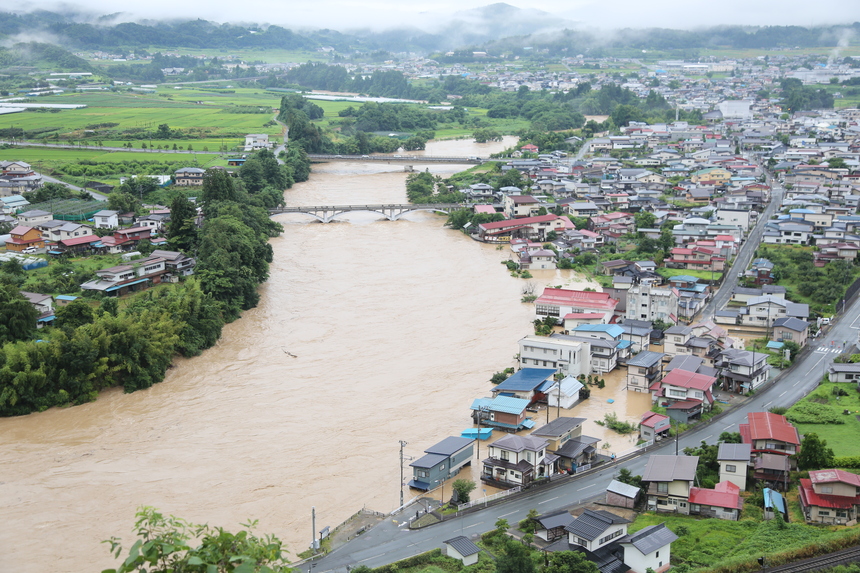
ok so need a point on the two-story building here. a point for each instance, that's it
(643, 370)
(572, 357)
(667, 481)
(684, 393)
(189, 176)
(23, 238)
(559, 303)
(441, 462)
(106, 219)
(517, 461)
(734, 460)
(565, 439)
(521, 206)
(769, 433)
(124, 278)
(830, 496)
(742, 370)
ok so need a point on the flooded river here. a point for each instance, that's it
(368, 332)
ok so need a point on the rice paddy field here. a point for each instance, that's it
(207, 117)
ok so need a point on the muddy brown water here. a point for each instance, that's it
(368, 332)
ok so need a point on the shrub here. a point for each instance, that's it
(813, 413)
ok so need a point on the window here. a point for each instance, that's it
(662, 487)
(823, 513)
(657, 554)
(504, 455)
(826, 489)
(731, 468)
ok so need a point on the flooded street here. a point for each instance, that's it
(368, 332)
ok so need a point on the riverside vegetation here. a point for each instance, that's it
(97, 344)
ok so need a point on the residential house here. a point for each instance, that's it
(106, 219)
(565, 439)
(734, 460)
(520, 206)
(742, 370)
(67, 230)
(441, 462)
(654, 425)
(765, 309)
(595, 529)
(33, 217)
(536, 228)
(830, 496)
(675, 339)
(722, 502)
(643, 370)
(650, 548)
(21, 238)
(849, 372)
(526, 384)
(681, 390)
(604, 333)
(571, 357)
(790, 329)
(667, 481)
(178, 264)
(463, 549)
(621, 494)
(539, 259)
(518, 461)
(648, 302)
(697, 258)
(502, 412)
(772, 470)
(769, 433)
(564, 393)
(124, 278)
(189, 176)
(123, 239)
(559, 303)
(257, 141)
(638, 332)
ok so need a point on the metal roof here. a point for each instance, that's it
(463, 545)
(623, 489)
(556, 519)
(591, 524)
(449, 446)
(428, 461)
(670, 468)
(526, 380)
(650, 539)
(734, 452)
(558, 427)
(646, 358)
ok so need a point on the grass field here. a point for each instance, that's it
(704, 275)
(842, 438)
(706, 542)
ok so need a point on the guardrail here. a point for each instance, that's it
(489, 498)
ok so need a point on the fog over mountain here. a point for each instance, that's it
(432, 17)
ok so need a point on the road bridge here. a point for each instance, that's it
(407, 159)
(326, 214)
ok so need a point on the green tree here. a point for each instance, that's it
(516, 559)
(76, 313)
(814, 454)
(17, 315)
(218, 186)
(645, 220)
(124, 203)
(463, 487)
(182, 228)
(168, 544)
(569, 562)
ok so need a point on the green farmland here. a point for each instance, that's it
(203, 118)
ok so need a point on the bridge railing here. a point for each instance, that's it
(398, 158)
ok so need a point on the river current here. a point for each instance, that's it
(368, 332)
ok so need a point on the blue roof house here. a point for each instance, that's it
(528, 384)
(503, 412)
(440, 462)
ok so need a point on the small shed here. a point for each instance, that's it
(774, 503)
(551, 525)
(462, 548)
(622, 495)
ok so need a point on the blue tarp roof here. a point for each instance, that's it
(612, 330)
(526, 380)
(774, 499)
(775, 344)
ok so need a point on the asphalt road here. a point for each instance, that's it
(93, 194)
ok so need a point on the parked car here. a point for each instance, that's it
(29, 250)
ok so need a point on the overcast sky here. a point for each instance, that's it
(345, 14)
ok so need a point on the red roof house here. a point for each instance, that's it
(770, 433)
(830, 496)
(724, 501)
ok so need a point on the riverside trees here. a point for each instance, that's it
(132, 346)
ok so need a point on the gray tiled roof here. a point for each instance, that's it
(623, 489)
(650, 539)
(555, 519)
(463, 545)
(734, 452)
(591, 524)
(558, 427)
(646, 359)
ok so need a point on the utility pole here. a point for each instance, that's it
(402, 445)
(314, 528)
